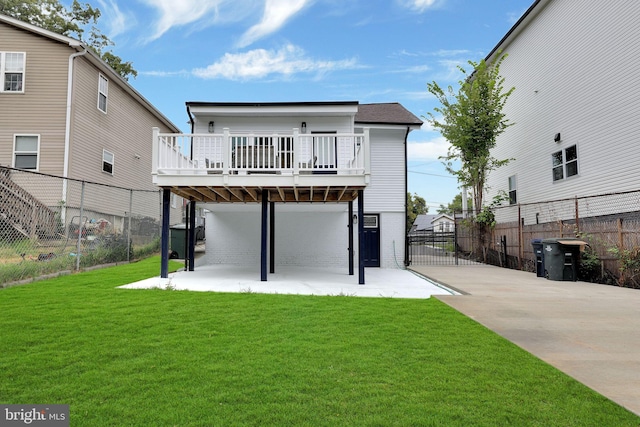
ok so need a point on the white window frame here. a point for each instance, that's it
(106, 161)
(513, 189)
(4, 71)
(36, 152)
(103, 91)
(564, 164)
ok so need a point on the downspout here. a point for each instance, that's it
(406, 190)
(67, 130)
(191, 119)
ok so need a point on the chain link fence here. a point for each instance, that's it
(50, 224)
(609, 223)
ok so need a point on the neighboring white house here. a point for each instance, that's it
(442, 223)
(308, 178)
(576, 104)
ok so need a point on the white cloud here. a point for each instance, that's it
(260, 63)
(117, 20)
(176, 13)
(276, 14)
(427, 150)
(420, 5)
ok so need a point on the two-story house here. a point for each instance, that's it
(575, 108)
(65, 112)
(301, 183)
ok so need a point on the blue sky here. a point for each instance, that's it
(310, 50)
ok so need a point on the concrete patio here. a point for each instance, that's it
(384, 283)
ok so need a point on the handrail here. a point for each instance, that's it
(243, 152)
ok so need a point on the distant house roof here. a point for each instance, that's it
(443, 216)
(423, 222)
(386, 113)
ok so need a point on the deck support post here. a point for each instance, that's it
(272, 237)
(192, 235)
(164, 236)
(350, 231)
(263, 235)
(361, 237)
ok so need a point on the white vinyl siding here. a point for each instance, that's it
(26, 150)
(12, 68)
(386, 192)
(103, 91)
(594, 107)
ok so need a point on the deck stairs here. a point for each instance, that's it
(23, 212)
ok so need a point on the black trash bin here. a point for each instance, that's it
(539, 255)
(562, 258)
(178, 241)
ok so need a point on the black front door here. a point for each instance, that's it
(371, 241)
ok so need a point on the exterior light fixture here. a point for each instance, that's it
(303, 127)
(556, 138)
(355, 218)
(211, 127)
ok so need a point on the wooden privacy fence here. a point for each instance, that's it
(609, 223)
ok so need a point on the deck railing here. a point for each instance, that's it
(254, 152)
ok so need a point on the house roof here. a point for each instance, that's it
(92, 57)
(524, 20)
(423, 222)
(391, 113)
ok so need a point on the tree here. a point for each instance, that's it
(416, 205)
(53, 16)
(471, 121)
(455, 206)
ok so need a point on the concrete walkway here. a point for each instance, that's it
(589, 331)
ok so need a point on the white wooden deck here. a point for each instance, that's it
(238, 166)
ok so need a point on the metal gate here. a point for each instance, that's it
(435, 247)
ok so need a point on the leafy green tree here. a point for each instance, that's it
(455, 206)
(416, 205)
(471, 121)
(53, 16)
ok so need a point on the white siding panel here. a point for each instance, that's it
(303, 237)
(386, 191)
(574, 70)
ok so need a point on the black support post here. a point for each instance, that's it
(263, 236)
(192, 235)
(361, 237)
(272, 237)
(164, 236)
(350, 231)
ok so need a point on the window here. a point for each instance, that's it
(565, 163)
(103, 90)
(25, 151)
(513, 198)
(107, 162)
(12, 66)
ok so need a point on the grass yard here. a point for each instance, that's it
(175, 358)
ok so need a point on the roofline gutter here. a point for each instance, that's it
(67, 126)
(527, 16)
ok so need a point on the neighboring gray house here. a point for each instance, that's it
(575, 107)
(65, 112)
(295, 183)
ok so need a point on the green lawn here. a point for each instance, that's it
(174, 358)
